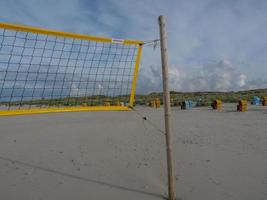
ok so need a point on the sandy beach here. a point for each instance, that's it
(219, 155)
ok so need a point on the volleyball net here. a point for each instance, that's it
(44, 71)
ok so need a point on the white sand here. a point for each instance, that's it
(116, 155)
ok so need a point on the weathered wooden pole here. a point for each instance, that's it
(167, 106)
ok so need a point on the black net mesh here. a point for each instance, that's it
(39, 70)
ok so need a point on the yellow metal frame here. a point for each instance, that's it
(64, 34)
(136, 68)
(63, 109)
(55, 33)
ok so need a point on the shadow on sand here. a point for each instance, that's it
(83, 178)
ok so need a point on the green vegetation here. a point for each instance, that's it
(96, 100)
(203, 99)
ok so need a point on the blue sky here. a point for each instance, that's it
(213, 44)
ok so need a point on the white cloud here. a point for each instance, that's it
(220, 76)
(242, 80)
